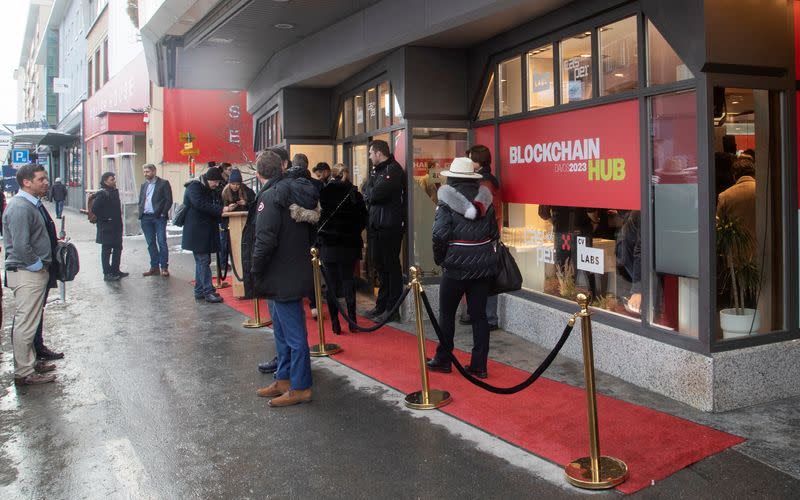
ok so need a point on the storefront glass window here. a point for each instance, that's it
(540, 78)
(573, 194)
(434, 150)
(663, 64)
(372, 109)
(620, 57)
(340, 127)
(358, 103)
(510, 73)
(397, 113)
(348, 117)
(749, 232)
(383, 105)
(674, 281)
(576, 68)
(315, 152)
(487, 106)
(74, 166)
(360, 164)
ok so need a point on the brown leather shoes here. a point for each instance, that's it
(165, 273)
(152, 272)
(291, 398)
(274, 389)
(42, 367)
(34, 379)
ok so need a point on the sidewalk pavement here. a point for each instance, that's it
(156, 399)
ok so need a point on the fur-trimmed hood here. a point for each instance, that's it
(307, 215)
(459, 203)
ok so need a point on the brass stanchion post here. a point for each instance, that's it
(594, 472)
(256, 321)
(426, 399)
(321, 349)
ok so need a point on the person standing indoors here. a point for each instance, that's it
(108, 210)
(201, 229)
(28, 239)
(59, 195)
(481, 155)
(464, 234)
(343, 218)
(282, 274)
(385, 195)
(155, 202)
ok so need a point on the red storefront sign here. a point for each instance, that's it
(583, 158)
(111, 109)
(221, 127)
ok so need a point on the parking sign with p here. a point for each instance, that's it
(20, 156)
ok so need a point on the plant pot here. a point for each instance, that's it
(738, 325)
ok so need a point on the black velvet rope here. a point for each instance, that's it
(222, 271)
(366, 329)
(483, 385)
(230, 257)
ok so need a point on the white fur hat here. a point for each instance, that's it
(462, 167)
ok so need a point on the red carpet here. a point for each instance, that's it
(548, 419)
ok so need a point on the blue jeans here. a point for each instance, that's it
(291, 343)
(59, 208)
(202, 274)
(155, 233)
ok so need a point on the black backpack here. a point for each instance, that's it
(66, 259)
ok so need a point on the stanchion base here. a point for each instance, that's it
(321, 350)
(436, 399)
(224, 284)
(251, 323)
(613, 471)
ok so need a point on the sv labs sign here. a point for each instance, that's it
(582, 158)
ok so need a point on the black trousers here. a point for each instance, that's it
(341, 283)
(110, 256)
(384, 248)
(450, 293)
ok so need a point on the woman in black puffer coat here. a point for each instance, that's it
(464, 235)
(344, 217)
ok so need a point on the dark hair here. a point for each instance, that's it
(269, 164)
(319, 167)
(28, 172)
(380, 146)
(105, 176)
(282, 154)
(149, 165)
(300, 160)
(481, 155)
(212, 163)
(750, 152)
(743, 166)
(224, 165)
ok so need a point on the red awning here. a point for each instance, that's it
(120, 122)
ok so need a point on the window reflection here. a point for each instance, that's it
(576, 68)
(510, 74)
(619, 56)
(540, 78)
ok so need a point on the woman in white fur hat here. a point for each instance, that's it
(464, 235)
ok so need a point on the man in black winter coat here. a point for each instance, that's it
(201, 229)
(108, 210)
(282, 272)
(58, 192)
(385, 194)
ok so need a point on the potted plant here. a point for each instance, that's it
(735, 246)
